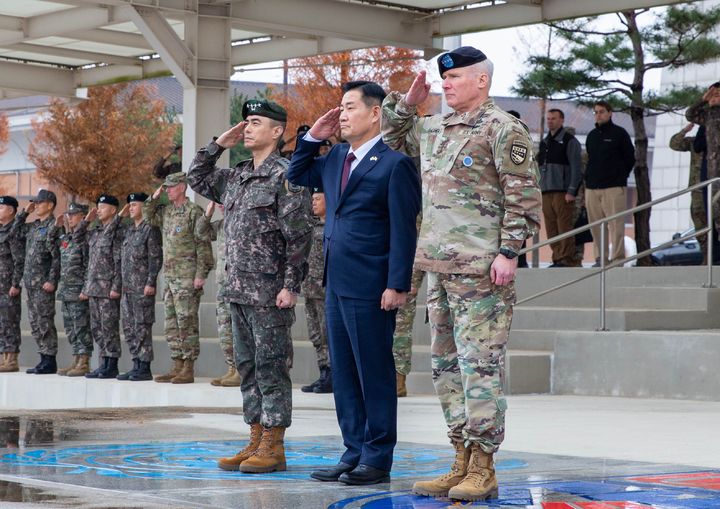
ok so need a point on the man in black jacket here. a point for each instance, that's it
(611, 157)
(560, 160)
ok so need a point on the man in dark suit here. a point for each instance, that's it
(372, 198)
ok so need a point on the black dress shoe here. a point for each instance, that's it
(332, 473)
(363, 475)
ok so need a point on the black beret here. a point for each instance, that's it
(318, 189)
(303, 129)
(326, 143)
(263, 108)
(108, 199)
(136, 197)
(8, 200)
(461, 57)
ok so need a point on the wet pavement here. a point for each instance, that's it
(165, 457)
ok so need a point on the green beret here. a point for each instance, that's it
(263, 108)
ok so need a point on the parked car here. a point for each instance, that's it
(686, 252)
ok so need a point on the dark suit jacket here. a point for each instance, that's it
(370, 230)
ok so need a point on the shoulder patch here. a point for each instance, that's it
(292, 188)
(518, 152)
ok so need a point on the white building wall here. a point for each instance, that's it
(670, 168)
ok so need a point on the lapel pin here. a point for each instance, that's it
(373, 158)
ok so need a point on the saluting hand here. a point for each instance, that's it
(125, 211)
(232, 136)
(91, 215)
(419, 90)
(327, 125)
(60, 221)
(210, 209)
(157, 193)
(30, 208)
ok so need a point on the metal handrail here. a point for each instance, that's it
(707, 185)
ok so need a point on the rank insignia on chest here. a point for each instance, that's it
(518, 152)
(64, 244)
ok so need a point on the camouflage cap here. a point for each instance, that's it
(77, 208)
(461, 57)
(9, 200)
(44, 195)
(263, 108)
(174, 179)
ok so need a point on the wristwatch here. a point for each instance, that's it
(507, 253)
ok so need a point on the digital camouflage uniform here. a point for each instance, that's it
(314, 294)
(224, 321)
(702, 113)
(12, 262)
(42, 265)
(681, 143)
(480, 193)
(142, 258)
(268, 234)
(73, 267)
(187, 255)
(104, 276)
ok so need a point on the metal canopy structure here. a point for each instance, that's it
(52, 47)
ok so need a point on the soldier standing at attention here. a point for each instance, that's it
(103, 283)
(224, 320)
(480, 201)
(73, 267)
(142, 258)
(188, 259)
(40, 277)
(12, 262)
(314, 294)
(268, 236)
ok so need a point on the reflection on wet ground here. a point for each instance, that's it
(106, 459)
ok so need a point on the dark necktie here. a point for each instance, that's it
(346, 171)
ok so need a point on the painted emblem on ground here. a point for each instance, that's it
(198, 460)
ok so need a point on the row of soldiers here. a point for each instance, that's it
(103, 263)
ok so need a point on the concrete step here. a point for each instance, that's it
(643, 364)
(532, 339)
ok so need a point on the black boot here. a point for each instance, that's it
(96, 372)
(324, 385)
(142, 373)
(33, 371)
(49, 367)
(111, 368)
(126, 376)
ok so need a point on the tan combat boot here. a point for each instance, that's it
(167, 377)
(233, 462)
(82, 367)
(440, 486)
(232, 380)
(480, 482)
(187, 373)
(3, 361)
(269, 456)
(11, 363)
(64, 371)
(400, 382)
(217, 382)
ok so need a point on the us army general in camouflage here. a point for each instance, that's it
(480, 201)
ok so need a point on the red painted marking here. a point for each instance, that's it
(704, 480)
(593, 505)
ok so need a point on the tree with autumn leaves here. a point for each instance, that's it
(4, 133)
(105, 144)
(316, 80)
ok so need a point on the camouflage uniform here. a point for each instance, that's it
(104, 276)
(268, 235)
(402, 339)
(222, 313)
(42, 265)
(314, 294)
(681, 143)
(709, 116)
(142, 258)
(187, 255)
(480, 194)
(73, 267)
(12, 262)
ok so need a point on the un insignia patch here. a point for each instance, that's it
(518, 152)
